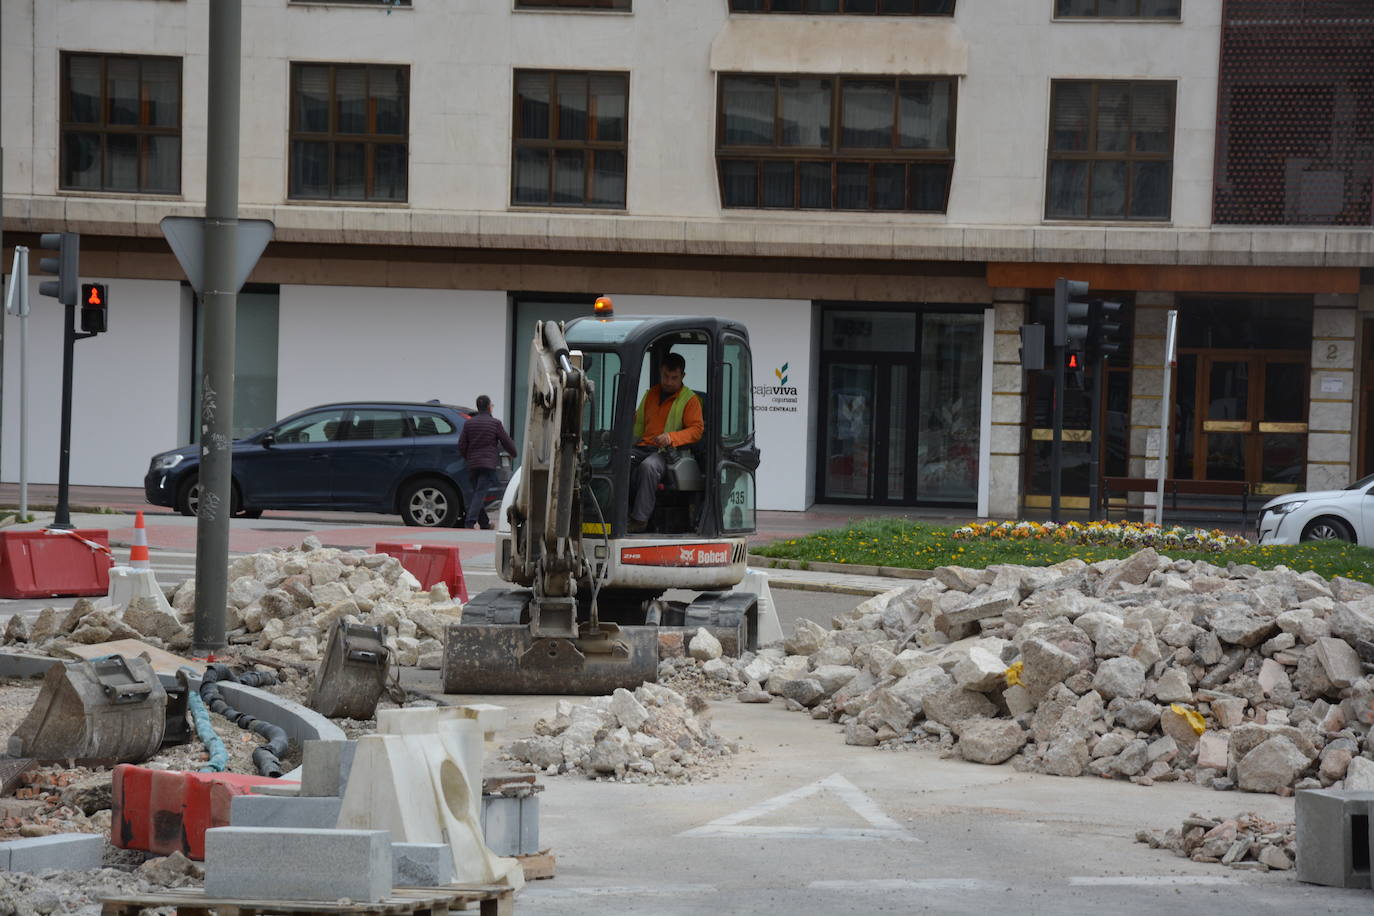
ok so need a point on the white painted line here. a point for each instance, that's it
(551, 893)
(881, 826)
(1149, 880)
(905, 884)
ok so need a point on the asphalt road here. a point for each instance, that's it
(801, 823)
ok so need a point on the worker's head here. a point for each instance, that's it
(670, 373)
(483, 403)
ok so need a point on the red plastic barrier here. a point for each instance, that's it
(431, 563)
(48, 564)
(166, 811)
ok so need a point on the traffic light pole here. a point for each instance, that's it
(1057, 446)
(1095, 446)
(62, 515)
(219, 302)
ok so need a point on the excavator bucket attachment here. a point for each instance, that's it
(506, 658)
(112, 707)
(352, 674)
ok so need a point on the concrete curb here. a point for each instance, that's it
(827, 587)
(856, 569)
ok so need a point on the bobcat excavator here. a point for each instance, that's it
(588, 603)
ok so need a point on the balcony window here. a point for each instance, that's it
(1111, 150)
(836, 143)
(349, 130)
(569, 139)
(121, 123)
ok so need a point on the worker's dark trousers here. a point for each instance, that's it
(644, 482)
(483, 480)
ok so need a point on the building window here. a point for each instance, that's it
(847, 7)
(572, 4)
(836, 143)
(121, 123)
(349, 125)
(378, 3)
(1117, 9)
(1111, 150)
(570, 130)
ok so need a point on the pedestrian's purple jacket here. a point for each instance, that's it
(481, 440)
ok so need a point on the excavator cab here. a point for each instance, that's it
(589, 602)
(708, 487)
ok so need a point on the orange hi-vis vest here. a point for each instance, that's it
(650, 410)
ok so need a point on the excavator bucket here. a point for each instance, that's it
(504, 658)
(352, 675)
(112, 707)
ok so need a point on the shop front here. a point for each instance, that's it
(901, 405)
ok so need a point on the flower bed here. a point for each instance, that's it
(1131, 535)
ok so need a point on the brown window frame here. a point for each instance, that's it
(1091, 155)
(370, 139)
(836, 154)
(1097, 14)
(879, 8)
(105, 129)
(589, 146)
(618, 6)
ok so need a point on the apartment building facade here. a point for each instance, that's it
(883, 191)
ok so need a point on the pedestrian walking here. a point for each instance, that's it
(480, 443)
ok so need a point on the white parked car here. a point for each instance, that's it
(1321, 515)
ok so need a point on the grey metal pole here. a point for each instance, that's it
(219, 302)
(23, 293)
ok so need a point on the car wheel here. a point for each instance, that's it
(188, 498)
(431, 504)
(1327, 528)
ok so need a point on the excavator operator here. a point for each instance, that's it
(668, 416)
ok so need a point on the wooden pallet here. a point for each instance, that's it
(538, 866)
(493, 900)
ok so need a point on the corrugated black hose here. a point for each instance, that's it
(267, 757)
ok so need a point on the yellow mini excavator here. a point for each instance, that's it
(588, 601)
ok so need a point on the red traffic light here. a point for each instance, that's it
(94, 308)
(1073, 362)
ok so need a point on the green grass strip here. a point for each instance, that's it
(914, 545)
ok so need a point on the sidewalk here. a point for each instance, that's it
(771, 524)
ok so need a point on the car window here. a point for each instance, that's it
(321, 426)
(375, 424)
(430, 424)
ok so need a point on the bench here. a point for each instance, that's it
(1172, 490)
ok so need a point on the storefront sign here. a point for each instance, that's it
(677, 555)
(779, 398)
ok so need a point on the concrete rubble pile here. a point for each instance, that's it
(1246, 841)
(651, 735)
(282, 600)
(1146, 669)
(78, 893)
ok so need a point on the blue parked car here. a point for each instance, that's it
(392, 457)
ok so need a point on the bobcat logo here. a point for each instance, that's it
(686, 554)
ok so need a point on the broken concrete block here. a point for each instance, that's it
(421, 865)
(293, 864)
(279, 811)
(61, 851)
(1328, 822)
(325, 766)
(1339, 660)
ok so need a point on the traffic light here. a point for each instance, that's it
(1070, 314)
(95, 316)
(1032, 347)
(67, 266)
(1104, 330)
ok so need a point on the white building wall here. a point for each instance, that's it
(126, 386)
(779, 332)
(354, 343)
(462, 54)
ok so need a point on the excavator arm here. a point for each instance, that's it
(546, 551)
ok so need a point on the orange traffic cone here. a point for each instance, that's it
(138, 550)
